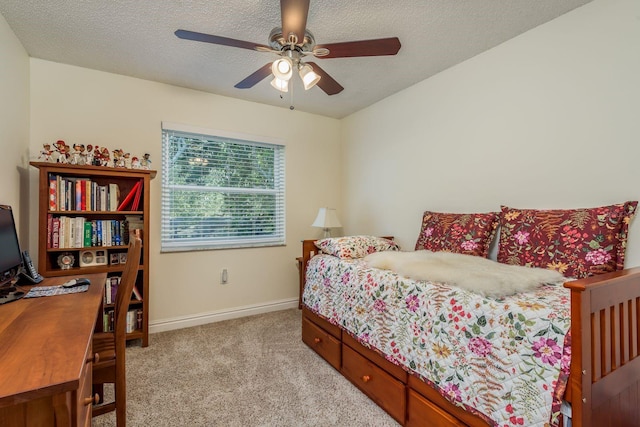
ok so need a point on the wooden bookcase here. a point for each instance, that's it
(51, 210)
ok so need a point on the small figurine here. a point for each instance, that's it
(76, 155)
(88, 155)
(97, 156)
(135, 163)
(61, 151)
(127, 160)
(45, 153)
(145, 163)
(105, 157)
(118, 158)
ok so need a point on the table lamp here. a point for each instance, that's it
(327, 219)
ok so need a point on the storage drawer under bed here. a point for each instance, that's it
(422, 412)
(382, 388)
(321, 342)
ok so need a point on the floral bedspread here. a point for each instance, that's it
(506, 360)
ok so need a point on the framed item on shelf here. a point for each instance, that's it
(93, 258)
(66, 260)
(114, 258)
(122, 257)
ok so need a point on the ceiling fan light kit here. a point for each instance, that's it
(292, 48)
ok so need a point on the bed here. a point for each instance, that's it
(592, 335)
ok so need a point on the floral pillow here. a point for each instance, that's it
(351, 247)
(463, 233)
(576, 242)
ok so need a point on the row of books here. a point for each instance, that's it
(134, 320)
(82, 194)
(78, 232)
(111, 290)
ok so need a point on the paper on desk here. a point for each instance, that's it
(49, 291)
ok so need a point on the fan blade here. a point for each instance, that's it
(255, 78)
(326, 83)
(224, 41)
(294, 18)
(375, 47)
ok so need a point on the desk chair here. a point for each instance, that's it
(110, 346)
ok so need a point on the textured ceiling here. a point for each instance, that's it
(136, 38)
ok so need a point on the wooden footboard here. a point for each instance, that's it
(604, 383)
(604, 386)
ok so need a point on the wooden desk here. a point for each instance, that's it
(45, 357)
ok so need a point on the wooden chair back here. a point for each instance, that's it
(109, 347)
(125, 289)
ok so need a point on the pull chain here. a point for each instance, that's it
(291, 107)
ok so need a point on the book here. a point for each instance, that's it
(114, 196)
(115, 282)
(129, 197)
(107, 233)
(103, 198)
(86, 196)
(136, 293)
(117, 239)
(132, 321)
(55, 233)
(78, 193)
(53, 193)
(49, 230)
(88, 231)
(98, 233)
(71, 195)
(62, 195)
(103, 232)
(62, 232)
(94, 196)
(111, 289)
(79, 232)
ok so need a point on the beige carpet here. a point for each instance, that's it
(253, 371)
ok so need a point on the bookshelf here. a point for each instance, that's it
(85, 215)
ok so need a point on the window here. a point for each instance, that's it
(220, 191)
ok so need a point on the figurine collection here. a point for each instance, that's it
(79, 154)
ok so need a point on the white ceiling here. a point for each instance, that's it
(136, 38)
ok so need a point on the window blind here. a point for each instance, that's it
(220, 192)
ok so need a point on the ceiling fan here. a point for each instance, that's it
(292, 43)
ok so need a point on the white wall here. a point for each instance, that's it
(91, 107)
(549, 119)
(14, 127)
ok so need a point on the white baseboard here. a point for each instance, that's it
(220, 315)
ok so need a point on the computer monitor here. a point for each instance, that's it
(10, 255)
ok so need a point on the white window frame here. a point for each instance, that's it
(169, 229)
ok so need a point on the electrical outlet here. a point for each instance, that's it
(224, 277)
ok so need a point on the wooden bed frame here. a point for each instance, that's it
(604, 383)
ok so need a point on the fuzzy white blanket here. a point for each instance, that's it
(476, 274)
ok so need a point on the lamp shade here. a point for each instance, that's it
(326, 219)
(282, 68)
(308, 76)
(281, 85)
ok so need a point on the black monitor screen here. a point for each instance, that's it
(10, 256)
